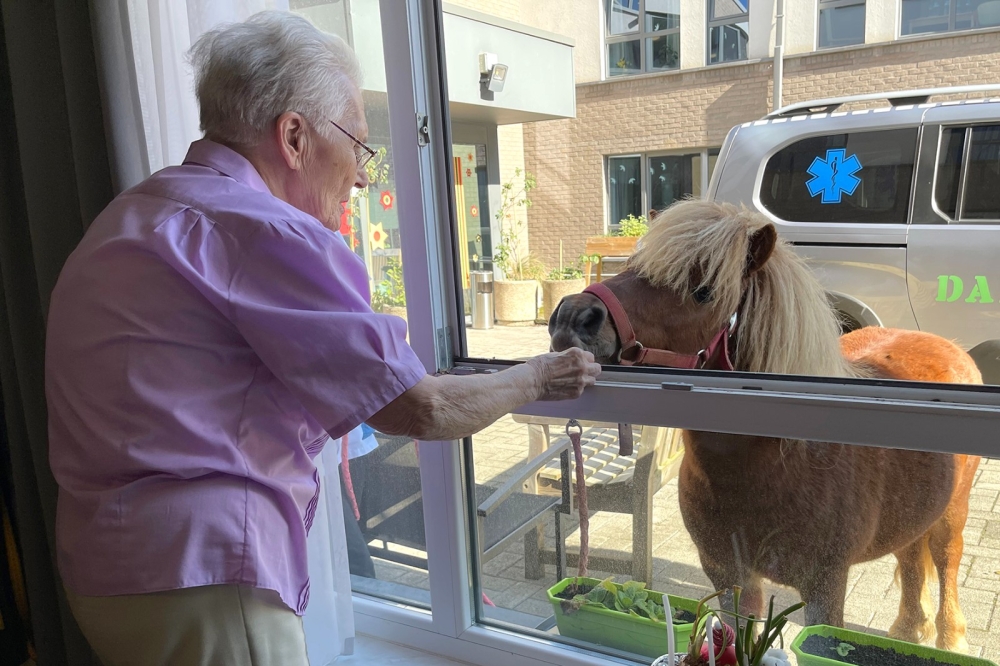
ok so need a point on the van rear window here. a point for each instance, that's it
(856, 177)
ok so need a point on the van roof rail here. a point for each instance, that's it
(894, 98)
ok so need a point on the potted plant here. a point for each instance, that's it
(625, 617)
(821, 645)
(748, 642)
(389, 296)
(516, 292)
(561, 282)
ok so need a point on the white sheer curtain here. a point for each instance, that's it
(159, 34)
(162, 31)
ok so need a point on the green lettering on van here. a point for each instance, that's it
(943, 283)
(981, 292)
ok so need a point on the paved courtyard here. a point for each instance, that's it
(872, 599)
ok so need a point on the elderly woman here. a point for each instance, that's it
(206, 337)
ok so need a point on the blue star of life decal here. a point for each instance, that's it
(833, 176)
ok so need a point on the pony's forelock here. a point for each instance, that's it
(786, 324)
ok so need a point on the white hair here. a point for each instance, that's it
(247, 74)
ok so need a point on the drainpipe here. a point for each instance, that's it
(779, 51)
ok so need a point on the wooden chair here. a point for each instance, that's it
(621, 484)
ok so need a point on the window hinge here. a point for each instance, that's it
(423, 131)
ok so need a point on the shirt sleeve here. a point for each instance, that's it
(299, 297)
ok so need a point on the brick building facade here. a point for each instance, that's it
(693, 109)
(690, 109)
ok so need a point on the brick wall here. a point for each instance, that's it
(696, 108)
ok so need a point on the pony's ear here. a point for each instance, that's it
(762, 242)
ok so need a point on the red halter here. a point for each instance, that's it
(713, 357)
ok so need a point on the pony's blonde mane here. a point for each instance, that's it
(786, 324)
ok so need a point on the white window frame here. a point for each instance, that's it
(714, 22)
(837, 4)
(644, 159)
(642, 35)
(609, 224)
(881, 414)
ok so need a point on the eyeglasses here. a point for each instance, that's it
(365, 155)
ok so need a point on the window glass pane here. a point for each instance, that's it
(662, 14)
(727, 8)
(685, 511)
(949, 170)
(982, 186)
(663, 52)
(925, 16)
(672, 177)
(728, 43)
(472, 207)
(861, 177)
(386, 545)
(623, 16)
(624, 188)
(842, 26)
(624, 58)
(943, 15)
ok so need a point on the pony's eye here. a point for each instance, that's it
(703, 295)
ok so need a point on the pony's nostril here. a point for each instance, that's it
(592, 319)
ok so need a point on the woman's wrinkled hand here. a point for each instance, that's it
(564, 375)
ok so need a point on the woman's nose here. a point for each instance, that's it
(361, 178)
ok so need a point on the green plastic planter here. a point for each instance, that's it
(621, 631)
(902, 647)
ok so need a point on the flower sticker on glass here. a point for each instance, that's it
(385, 199)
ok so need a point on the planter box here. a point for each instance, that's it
(553, 291)
(902, 647)
(515, 302)
(609, 628)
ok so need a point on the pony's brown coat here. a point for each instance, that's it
(798, 513)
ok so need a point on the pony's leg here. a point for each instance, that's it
(725, 578)
(914, 623)
(824, 595)
(946, 546)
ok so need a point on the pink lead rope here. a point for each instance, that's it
(574, 430)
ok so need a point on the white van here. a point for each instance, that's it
(897, 208)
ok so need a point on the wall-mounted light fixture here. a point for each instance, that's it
(492, 75)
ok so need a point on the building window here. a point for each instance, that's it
(624, 187)
(669, 178)
(728, 30)
(966, 189)
(919, 16)
(642, 36)
(857, 177)
(841, 23)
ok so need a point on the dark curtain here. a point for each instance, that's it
(54, 179)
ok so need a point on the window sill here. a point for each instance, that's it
(372, 650)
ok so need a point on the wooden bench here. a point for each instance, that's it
(620, 484)
(607, 246)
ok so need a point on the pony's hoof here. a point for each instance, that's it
(913, 632)
(953, 643)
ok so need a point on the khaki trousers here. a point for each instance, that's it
(214, 625)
